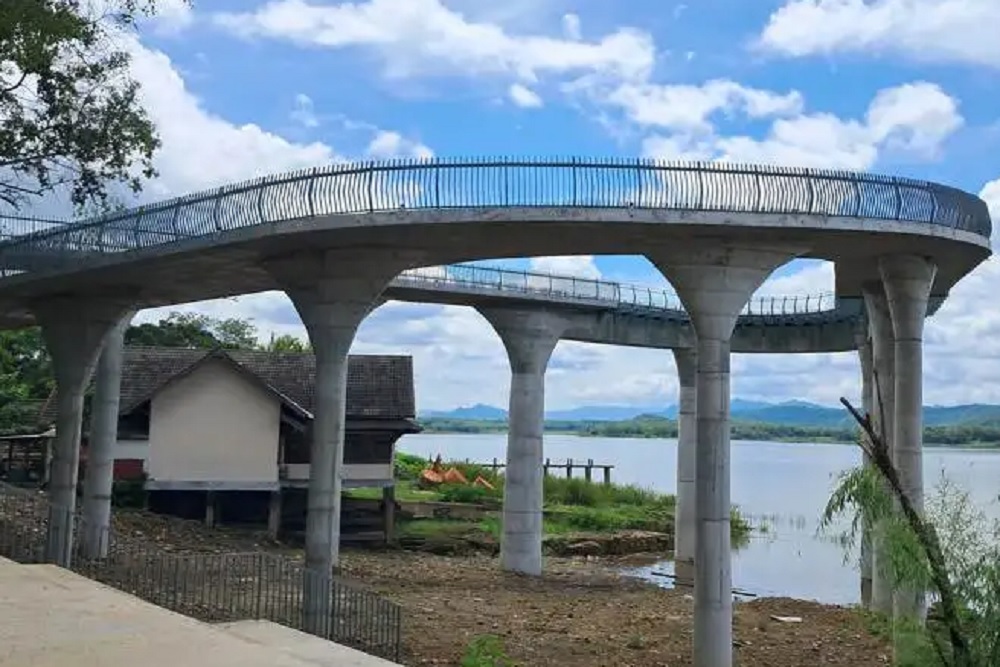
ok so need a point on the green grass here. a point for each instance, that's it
(571, 505)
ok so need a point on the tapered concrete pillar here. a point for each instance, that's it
(908, 280)
(529, 337)
(685, 519)
(74, 330)
(99, 478)
(332, 292)
(883, 411)
(714, 281)
(867, 401)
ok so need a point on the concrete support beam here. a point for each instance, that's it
(332, 292)
(908, 280)
(74, 330)
(99, 478)
(867, 401)
(529, 337)
(883, 411)
(685, 518)
(714, 281)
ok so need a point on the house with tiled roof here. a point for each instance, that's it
(227, 432)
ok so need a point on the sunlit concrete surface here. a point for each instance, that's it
(54, 618)
(303, 646)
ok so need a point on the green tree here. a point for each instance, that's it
(287, 343)
(70, 113)
(194, 330)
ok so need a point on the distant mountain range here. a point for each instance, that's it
(792, 413)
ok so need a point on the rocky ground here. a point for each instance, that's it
(580, 614)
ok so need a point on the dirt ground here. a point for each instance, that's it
(579, 614)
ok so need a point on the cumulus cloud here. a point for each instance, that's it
(426, 37)
(959, 31)
(389, 144)
(914, 118)
(523, 96)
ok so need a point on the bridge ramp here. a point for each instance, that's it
(55, 618)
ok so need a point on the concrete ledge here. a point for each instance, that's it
(302, 646)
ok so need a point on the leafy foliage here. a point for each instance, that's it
(953, 550)
(70, 114)
(486, 651)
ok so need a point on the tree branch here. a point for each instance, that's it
(926, 535)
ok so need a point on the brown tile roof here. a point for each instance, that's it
(378, 386)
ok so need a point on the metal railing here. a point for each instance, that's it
(488, 183)
(211, 587)
(13, 226)
(572, 289)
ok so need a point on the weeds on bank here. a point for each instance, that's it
(571, 504)
(486, 651)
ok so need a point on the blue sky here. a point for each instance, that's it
(242, 88)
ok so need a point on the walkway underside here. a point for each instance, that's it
(229, 264)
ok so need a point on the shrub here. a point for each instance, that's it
(129, 493)
(486, 651)
(408, 466)
(463, 493)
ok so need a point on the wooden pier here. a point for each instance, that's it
(569, 466)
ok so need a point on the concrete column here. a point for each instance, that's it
(74, 330)
(332, 292)
(99, 478)
(714, 282)
(529, 337)
(685, 519)
(867, 401)
(883, 410)
(908, 280)
(274, 515)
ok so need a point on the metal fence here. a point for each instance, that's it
(212, 587)
(621, 296)
(456, 183)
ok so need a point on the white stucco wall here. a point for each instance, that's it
(214, 425)
(133, 449)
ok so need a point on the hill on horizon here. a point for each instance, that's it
(790, 413)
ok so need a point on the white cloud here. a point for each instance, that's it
(571, 27)
(689, 107)
(426, 37)
(388, 144)
(523, 96)
(569, 265)
(925, 30)
(913, 118)
(172, 16)
(304, 112)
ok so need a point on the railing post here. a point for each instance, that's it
(310, 196)
(370, 185)
(215, 210)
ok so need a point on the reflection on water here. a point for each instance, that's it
(781, 488)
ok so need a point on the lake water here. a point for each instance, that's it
(782, 485)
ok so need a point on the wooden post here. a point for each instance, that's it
(607, 475)
(274, 515)
(496, 465)
(210, 509)
(389, 513)
(569, 468)
(588, 470)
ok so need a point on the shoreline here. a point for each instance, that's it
(790, 440)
